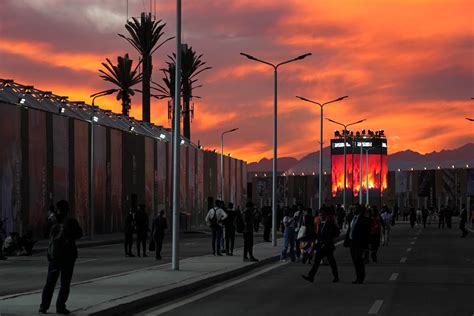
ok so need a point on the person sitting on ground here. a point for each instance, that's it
(10, 245)
(2, 236)
(26, 243)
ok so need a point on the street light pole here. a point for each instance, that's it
(275, 112)
(91, 164)
(367, 174)
(345, 171)
(222, 160)
(360, 177)
(321, 105)
(176, 142)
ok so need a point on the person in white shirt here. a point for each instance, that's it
(214, 220)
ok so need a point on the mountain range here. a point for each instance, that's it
(404, 160)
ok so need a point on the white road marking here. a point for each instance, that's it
(85, 261)
(374, 310)
(408, 249)
(393, 277)
(171, 307)
(403, 259)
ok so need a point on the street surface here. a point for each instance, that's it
(423, 272)
(22, 274)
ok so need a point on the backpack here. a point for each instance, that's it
(213, 219)
(239, 223)
(57, 242)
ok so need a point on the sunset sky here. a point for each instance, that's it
(407, 65)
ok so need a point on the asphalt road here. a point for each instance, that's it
(423, 272)
(22, 274)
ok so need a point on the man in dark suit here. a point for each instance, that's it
(357, 238)
(325, 246)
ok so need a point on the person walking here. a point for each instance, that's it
(289, 225)
(375, 234)
(229, 226)
(412, 217)
(448, 213)
(214, 219)
(267, 223)
(62, 255)
(387, 219)
(131, 226)
(424, 216)
(357, 239)
(325, 247)
(463, 222)
(441, 217)
(158, 227)
(142, 229)
(248, 232)
(340, 214)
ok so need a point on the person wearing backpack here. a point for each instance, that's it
(62, 255)
(214, 220)
(229, 226)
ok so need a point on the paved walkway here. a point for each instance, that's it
(125, 292)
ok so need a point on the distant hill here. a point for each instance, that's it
(406, 159)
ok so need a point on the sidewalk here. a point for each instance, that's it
(99, 240)
(133, 291)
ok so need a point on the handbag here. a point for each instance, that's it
(301, 232)
(152, 245)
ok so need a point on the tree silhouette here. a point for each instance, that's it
(191, 66)
(144, 37)
(122, 76)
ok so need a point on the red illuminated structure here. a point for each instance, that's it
(374, 148)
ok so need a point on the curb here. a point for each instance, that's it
(148, 302)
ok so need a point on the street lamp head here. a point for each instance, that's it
(304, 99)
(303, 56)
(342, 98)
(234, 129)
(248, 56)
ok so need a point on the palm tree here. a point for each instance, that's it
(144, 37)
(191, 66)
(123, 77)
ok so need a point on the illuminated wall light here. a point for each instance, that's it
(313, 173)
(302, 173)
(439, 167)
(398, 169)
(264, 174)
(132, 128)
(411, 169)
(325, 172)
(162, 136)
(182, 142)
(21, 101)
(62, 110)
(256, 175)
(95, 118)
(452, 166)
(424, 168)
(293, 173)
(467, 166)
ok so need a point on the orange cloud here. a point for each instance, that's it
(44, 53)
